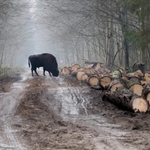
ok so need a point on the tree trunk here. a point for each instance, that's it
(125, 99)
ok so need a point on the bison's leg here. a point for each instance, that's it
(32, 71)
(50, 73)
(36, 72)
(44, 72)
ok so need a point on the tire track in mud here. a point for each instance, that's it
(9, 101)
(70, 99)
(79, 100)
(73, 104)
(68, 102)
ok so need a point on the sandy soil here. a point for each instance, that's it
(47, 113)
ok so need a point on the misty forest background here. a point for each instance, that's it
(114, 32)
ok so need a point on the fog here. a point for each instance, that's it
(28, 29)
(48, 26)
(74, 31)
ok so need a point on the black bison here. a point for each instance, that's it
(45, 60)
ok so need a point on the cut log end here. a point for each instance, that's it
(65, 71)
(137, 89)
(148, 98)
(74, 67)
(140, 105)
(84, 77)
(115, 87)
(93, 81)
(79, 75)
(105, 81)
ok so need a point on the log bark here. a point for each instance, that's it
(123, 70)
(147, 77)
(116, 83)
(146, 92)
(125, 99)
(137, 74)
(104, 71)
(89, 71)
(138, 66)
(143, 82)
(96, 66)
(116, 74)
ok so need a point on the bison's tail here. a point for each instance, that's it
(29, 62)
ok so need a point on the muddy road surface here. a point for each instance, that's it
(48, 113)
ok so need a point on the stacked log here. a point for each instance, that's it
(146, 92)
(105, 82)
(93, 81)
(137, 73)
(131, 94)
(84, 78)
(65, 70)
(125, 99)
(96, 66)
(138, 66)
(135, 86)
(115, 84)
(89, 71)
(79, 75)
(130, 91)
(74, 67)
(146, 79)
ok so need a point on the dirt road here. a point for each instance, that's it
(47, 113)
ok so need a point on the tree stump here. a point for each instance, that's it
(125, 99)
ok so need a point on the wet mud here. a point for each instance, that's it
(48, 113)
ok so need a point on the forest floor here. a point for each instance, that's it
(49, 113)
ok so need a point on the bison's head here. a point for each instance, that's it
(55, 73)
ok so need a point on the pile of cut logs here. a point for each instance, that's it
(130, 91)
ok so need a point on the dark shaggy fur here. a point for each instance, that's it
(45, 60)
